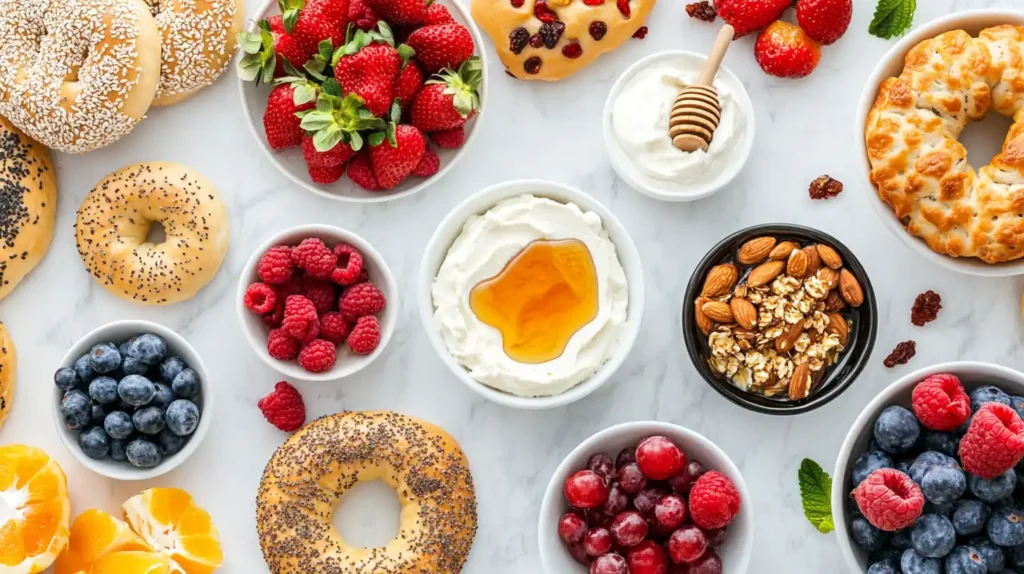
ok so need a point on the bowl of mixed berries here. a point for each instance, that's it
(646, 498)
(927, 481)
(362, 100)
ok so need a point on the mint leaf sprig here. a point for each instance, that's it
(816, 495)
(892, 18)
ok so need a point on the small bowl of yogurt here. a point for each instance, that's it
(636, 118)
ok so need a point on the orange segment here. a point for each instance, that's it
(95, 534)
(34, 510)
(169, 520)
(132, 562)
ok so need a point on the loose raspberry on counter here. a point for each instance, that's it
(365, 335)
(260, 298)
(348, 264)
(334, 328)
(275, 266)
(994, 442)
(300, 318)
(313, 257)
(889, 499)
(714, 500)
(284, 408)
(281, 346)
(317, 356)
(320, 292)
(940, 402)
(361, 300)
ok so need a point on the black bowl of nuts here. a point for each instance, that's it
(779, 319)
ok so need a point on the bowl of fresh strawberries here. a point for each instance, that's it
(317, 303)
(362, 100)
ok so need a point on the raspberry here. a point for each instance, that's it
(428, 165)
(317, 356)
(273, 319)
(940, 402)
(313, 257)
(334, 328)
(365, 335)
(714, 501)
(348, 266)
(361, 300)
(449, 139)
(889, 499)
(260, 298)
(320, 292)
(300, 319)
(284, 408)
(994, 442)
(276, 267)
(281, 346)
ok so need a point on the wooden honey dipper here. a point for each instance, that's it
(697, 111)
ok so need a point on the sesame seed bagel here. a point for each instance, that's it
(116, 217)
(198, 41)
(8, 373)
(28, 203)
(77, 74)
(309, 474)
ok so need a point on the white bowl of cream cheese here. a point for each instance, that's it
(476, 241)
(636, 117)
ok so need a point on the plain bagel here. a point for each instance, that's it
(115, 220)
(308, 475)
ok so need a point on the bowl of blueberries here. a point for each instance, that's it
(928, 480)
(132, 400)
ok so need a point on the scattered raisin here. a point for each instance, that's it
(702, 11)
(901, 354)
(572, 50)
(640, 33)
(532, 65)
(551, 33)
(623, 6)
(598, 29)
(926, 308)
(543, 13)
(517, 3)
(535, 41)
(825, 187)
(517, 39)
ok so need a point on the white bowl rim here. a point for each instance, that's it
(130, 473)
(377, 196)
(624, 248)
(864, 419)
(553, 491)
(390, 289)
(631, 176)
(966, 265)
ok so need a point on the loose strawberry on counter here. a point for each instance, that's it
(748, 16)
(784, 50)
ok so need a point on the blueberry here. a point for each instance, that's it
(133, 366)
(886, 553)
(136, 390)
(143, 453)
(1015, 556)
(904, 466)
(83, 368)
(124, 347)
(925, 461)
(97, 415)
(148, 348)
(149, 420)
(913, 563)
(884, 567)
(170, 443)
(118, 425)
(104, 358)
(939, 509)
(982, 395)
(182, 417)
(65, 378)
(117, 450)
(171, 367)
(868, 463)
(186, 384)
(103, 390)
(865, 535)
(76, 410)
(995, 559)
(164, 396)
(944, 442)
(94, 442)
(969, 517)
(1018, 405)
(933, 536)
(965, 560)
(943, 484)
(996, 489)
(1006, 527)
(897, 430)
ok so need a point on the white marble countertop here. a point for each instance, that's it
(541, 131)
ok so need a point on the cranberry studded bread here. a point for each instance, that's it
(921, 170)
(538, 40)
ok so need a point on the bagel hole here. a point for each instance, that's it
(984, 139)
(156, 234)
(368, 514)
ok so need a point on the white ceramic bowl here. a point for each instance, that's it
(348, 363)
(736, 155)
(971, 373)
(449, 230)
(891, 65)
(555, 558)
(290, 162)
(117, 332)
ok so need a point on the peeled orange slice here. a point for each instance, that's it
(169, 521)
(34, 510)
(132, 562)
(95, 534)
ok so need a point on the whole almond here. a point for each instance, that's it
(797, 264)
(787, 339)
(828, 276)
(834, 301)
(718, 312)
(782, 250)
(743, 312)
(765, 272)
(800, 382)
(837, 326)
(850, 289)
(829, 256)
(756, 250)
(744, 334)
(813, 261)
(704, 323)
(720, 280)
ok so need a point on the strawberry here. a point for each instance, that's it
(784, 50)
(316, 20)
(367, 66)
(360, 172)
(400, 12)
(449, 139)
(442, 46)
(448, 99)
(266, 51)
(429, 164)
(334, 157)
(408, 83)
(335, 126)
(824, 21)
(437, 14)
(393, 161)
(279, 120)
(748, 16)
(325, 174)
(362, 15)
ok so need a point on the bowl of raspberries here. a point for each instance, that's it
(317, 303)
(133, 400)
(362, 100)
(927, 480)
(646, 498)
